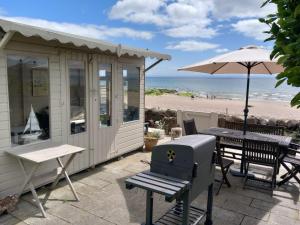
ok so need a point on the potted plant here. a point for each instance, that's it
(151, 139)
(160, 125)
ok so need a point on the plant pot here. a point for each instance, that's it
(176, 132)
(150, 142)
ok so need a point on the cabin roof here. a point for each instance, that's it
(79, 41)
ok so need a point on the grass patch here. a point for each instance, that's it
(159, 91)
(162, 91)
(186, 94)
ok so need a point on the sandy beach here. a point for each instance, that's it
(267, 109)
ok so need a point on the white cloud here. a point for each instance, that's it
(190, 31)
(180, 18)
(138, 11)
(226, 9)
(87, 30)
(251, 28)
(189, 12)
(187, 18)
(191, 45)
(221, 50)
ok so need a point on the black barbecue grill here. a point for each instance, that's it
(180, 170)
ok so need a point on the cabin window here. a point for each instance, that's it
(28, 87)
(131, 93)
(77, 82)
(105, 94)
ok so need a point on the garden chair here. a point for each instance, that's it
(237, 144)
(292, 158)
(231, 143)
(264, 154)
(223, 163)
(190, 127)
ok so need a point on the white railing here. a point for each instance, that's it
(202, 120)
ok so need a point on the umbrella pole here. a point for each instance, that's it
(241, 173)
(246, 110)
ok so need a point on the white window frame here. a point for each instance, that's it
(35, 55)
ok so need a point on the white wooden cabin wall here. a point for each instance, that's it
(7, 171)
(104, 137)
(121, 137)
(101, 144)
(11, 176)
(130, 134)
(82, 160)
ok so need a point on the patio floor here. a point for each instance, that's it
(104, 200)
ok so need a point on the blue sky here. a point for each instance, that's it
(188, 30)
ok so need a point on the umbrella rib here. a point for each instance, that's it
(220, 68)
(267, 68)
(255, 64)
(242, 64)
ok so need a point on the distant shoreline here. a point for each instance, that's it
(259, 108)
(166, 91)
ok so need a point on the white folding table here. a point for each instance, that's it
(36, 158)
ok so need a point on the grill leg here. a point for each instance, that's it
(210, 195)
(186, 208)
(149, 208)
(178, 207)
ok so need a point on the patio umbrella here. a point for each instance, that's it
(246, 60)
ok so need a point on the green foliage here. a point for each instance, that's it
(162, 91)
(159, 91)
(186, 94)
(285, 32)
(160, 124)
(104, 118)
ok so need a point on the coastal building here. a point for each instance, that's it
(58, 88)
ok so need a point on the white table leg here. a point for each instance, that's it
(27, 176)
(31, 186)
(68, 179)
(55, 182)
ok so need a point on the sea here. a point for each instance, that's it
(226, 87)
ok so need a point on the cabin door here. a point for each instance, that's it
(105, 120)
(78, 110)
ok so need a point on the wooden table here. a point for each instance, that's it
(36, 158)
(219, 132)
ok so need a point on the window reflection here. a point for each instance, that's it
(105, 94)
(28, 87)
(77, 97)
(131, 93)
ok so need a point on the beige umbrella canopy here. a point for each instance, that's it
(246, 60)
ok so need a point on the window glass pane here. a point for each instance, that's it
(105, 94)
(28, 87)
(77, 97)
(131, 93)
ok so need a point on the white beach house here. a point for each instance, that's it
(58, 88)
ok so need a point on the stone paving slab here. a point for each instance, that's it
(10, 220)
(253, 221)
(29, 214)
(105, 200)
(75, 215)
(275, 208)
